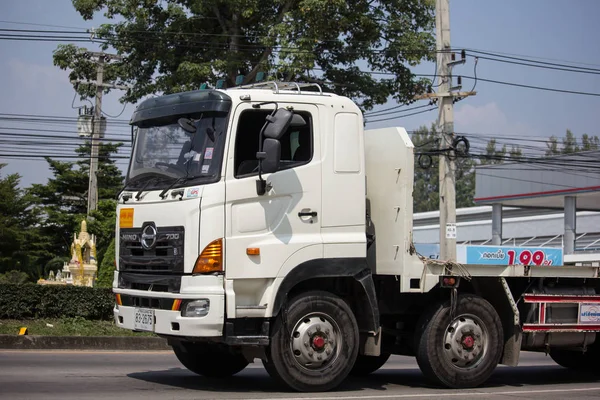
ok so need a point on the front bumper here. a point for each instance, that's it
(169, 322)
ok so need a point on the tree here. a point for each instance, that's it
(63, 203)
(570, 144)
(426, 180)
(498, 156)
(17, 220)
(107, 267)
(589, 142)
(177, 45)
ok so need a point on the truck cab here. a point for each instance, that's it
(205, 256)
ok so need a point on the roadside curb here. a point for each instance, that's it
(27, 342)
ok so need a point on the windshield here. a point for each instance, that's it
(165, 152)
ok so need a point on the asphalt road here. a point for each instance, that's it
(158, 375)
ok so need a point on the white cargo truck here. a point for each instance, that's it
(263, 222)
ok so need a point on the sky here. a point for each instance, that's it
(561, 31)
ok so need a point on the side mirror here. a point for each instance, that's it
(187, 125)
(278, 123)
(270, 156)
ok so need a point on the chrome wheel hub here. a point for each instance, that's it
(465, 341)
(314, 341)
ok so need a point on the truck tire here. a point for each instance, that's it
(209, 360)
(577, 360)
(366, 365)
(314, 343)
(462, 351)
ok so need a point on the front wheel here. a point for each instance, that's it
(461, 350)
(210, 360)
(314, 343)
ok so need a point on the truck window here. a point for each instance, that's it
(296, 143)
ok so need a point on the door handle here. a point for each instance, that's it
(309, 213)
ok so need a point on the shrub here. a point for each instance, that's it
(14, 277)
(107, 267)
(49, 301)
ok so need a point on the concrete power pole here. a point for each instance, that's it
(101, 59)
(447, 179)
(93, 185)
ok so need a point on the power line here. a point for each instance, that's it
(537, 66)
(534, 87)
(36, 24)
(380, 113)
(401, 116)
(499, 55)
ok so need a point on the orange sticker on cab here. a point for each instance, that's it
(126, 218)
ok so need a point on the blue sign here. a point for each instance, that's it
(429, 250)
(501, 255)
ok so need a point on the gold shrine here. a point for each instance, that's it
(81, 270)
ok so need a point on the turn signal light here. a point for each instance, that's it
(118, 299)
(253, 251)
(211, 258)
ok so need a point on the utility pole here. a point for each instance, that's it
(446, 96)
(101, 59)
(93, 182)
(447, 179)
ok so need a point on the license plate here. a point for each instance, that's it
(144, 319)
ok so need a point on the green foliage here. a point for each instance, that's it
(426, 183)
(14, 277)
(62, 203)
(16, 220)
(107, 267)
(570, 144)
(494, 155)
(66, 327)
(177, 45)
(55, 301)
(55, 265)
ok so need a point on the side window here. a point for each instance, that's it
(296, 143)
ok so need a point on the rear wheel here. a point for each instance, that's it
(314, 343)
(463, 350)
(210, 360)
(366, 365)
(577, 360)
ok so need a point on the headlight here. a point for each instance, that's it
(196, 308)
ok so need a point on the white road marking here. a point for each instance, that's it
(436, 394)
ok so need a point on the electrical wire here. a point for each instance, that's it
(115, 116)
(475, 74)
(380, 113)
(401, 116)
(558, 66)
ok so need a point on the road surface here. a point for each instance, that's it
(66, 375)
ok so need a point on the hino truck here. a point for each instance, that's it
(262, 222)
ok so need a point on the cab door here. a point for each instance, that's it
(262, 232)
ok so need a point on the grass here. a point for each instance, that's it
(66, 327)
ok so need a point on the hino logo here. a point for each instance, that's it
(129, 236)
(148, 239)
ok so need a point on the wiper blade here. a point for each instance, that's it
(148, 182)
(182, 179)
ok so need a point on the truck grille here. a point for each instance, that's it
(164, 257)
